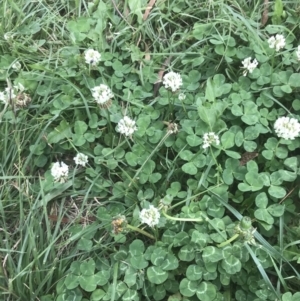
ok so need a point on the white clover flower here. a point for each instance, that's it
(16, 66)
(150, 216)
(209, 138)
(7, 95)
(248, 65)
(92, 57)
(298, 53)
(181, 96)
(102, 95)
(3, 97)
(126, 126)
(277, 42)
(8, 36)
(287, 128)
(81, 159)
(173, 81)
(60, 172)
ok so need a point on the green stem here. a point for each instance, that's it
(140, 231)
(182, 219)
(228, 241)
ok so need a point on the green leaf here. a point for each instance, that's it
(136, 8)
(71, 281)
(155, 177)
(186, 253)
(102, 277)
(189, 168)
(137, 247)
(208, 115)
(160, 292)
(212, 254)
(170, 263)
(199, 238)
(206, 291)
(61, 132)
(130, 276)
(80, 127)
(261, 200)
(276, 210)
(194, 272)
(130, 295)
(158, 256)
(131, 159)
(232, 154)
(264, 215)
(201, 29)
(294, 80)
(97, 295)
(88, 283)
(227, 140)
(87, 268)
(277, 191)
(138, 262)
(168, 237)
(188, 288)
(193, 140)
(156, 275)
(84, 244)
(231, 264)
(291, 163)
(251, 114)
(286, 89)
(254, 180)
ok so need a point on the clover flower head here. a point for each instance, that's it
(287, 128)
(172, 81)
(181, 96)
(173, 128)
(298, 53)
(126, 126)
(8, 36)
(92, 57)
(277, 42)
(81, 159)
(150, 216)
(209, 138)
(60, 172)
(11, 93)
(248, 65)
(102, 95)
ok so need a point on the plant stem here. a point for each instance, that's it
(140, 231)
(228, 241)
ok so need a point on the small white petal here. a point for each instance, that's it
(60, 172)
(287, 128)
(102, 94)
(126, 126)
(92, 57)
(172, 81)
(81, 159)
(150, 216)
(209, 138)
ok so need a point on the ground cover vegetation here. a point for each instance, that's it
(149, 150)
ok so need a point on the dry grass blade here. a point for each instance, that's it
(148, 9)
(265, 16)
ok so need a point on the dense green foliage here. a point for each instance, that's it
(229, 213)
